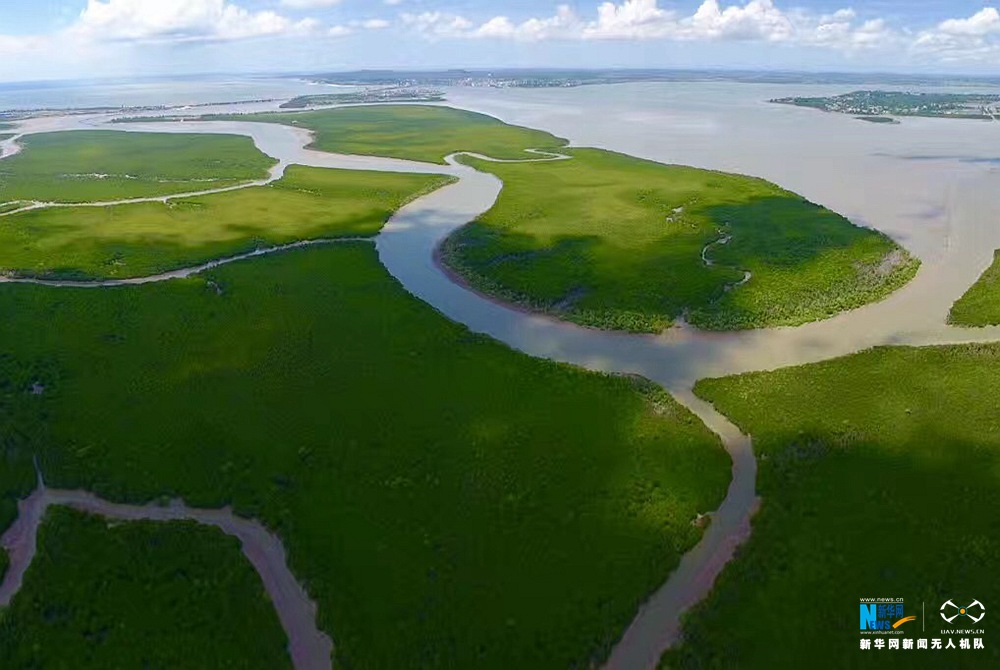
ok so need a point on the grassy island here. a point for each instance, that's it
(875, 470)
(879, 119)
(980, 306)
(101, 165)
(366, 97)
(146, 238)
(871, 105)
(412, 132)
(612, 241)
(105, 595)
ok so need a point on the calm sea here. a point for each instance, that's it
(150, 92)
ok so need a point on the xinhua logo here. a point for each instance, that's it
(883, 616)
(974, 611)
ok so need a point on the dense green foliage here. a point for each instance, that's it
(414, 132)
(612, 241)
(23, 426)
(450, 503)
(175, 596)
(100, 165)
(147, 238)
(980, 306)
(879, 473)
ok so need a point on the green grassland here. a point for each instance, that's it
(12, 206)
(450, 503)
(612, 241)
(103, 595)
(980, 306)
(879, 474)
(413, 132)
(147, 238)
(99, 165)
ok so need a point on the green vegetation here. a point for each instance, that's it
(23, 427)
(879, 119)
(878, 474)
(980, 306)
(13, 205)
(103, 594)
(598, 241)
(147, 238)
(413, 132)
(82, 166)
(449, 502)
(612, 241)
(897, 103)
(366, 97)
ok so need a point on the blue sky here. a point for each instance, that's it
(74, 38)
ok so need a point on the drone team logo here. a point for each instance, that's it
(974, 611)
(884, 629)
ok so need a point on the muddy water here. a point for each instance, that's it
(309, 648)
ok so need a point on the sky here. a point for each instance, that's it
(70, 39)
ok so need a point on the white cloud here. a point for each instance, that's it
(439, 24)
(564, 24)
(755, 20)
(354, 26)
(308, 4)
(983, 22)
(103, 25)
(12, 45)
(872, 33)
(633, 19)
(976, 38)
(136, 20)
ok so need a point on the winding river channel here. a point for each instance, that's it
(935, 198)
(309, 648)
